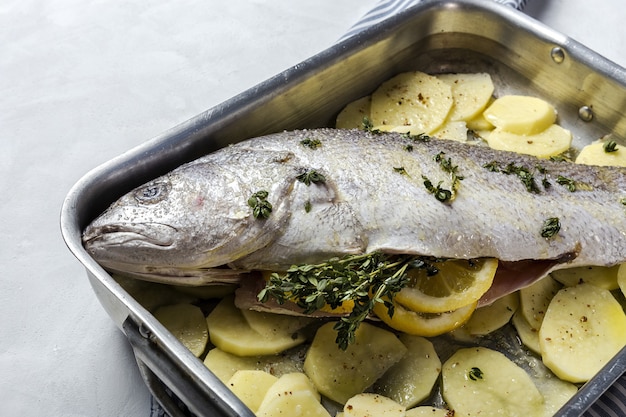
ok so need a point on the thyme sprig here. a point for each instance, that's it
(440, 193)
(366, 280)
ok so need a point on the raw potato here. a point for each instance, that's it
(482, 382)
(489, 318)
(582, 330)
(229, 331)
(426, 411)
(275, 324)
(522, 115)
(351, 117)
(528, 335)
(186, 322)
(224, 364)
(372, 405)
(411, 380)
(535, 299)
(471, 94)
(621, 278)
(594, 154)
(550, 142)
(600, 276)
(413, 99)
(250, 386)
(296, 381)
(456, 130)
(293, 404)
(340, 374)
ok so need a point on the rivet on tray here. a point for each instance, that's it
(145, 332)
(557, 54)
(585, 113)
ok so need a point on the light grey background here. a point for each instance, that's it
(83, 81)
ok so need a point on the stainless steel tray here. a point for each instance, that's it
(522, 56)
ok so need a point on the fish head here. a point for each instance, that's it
(195, 217)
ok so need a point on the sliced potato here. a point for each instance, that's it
(224, 364)
(595, 154)
(600, 276)
(550, 142)
(456, 130)
(522, 115)
(535, 299)
(427, 411)
(187, 323)
(582, 330)
(250, 386)
(352, 116)
(274, 324)
(293, 403)
(471, 94)
(621, 278)
(483, 382)
(229, 331)
(372, 405)
(527, 334)
(413, 99)
(340, 374)
(411, 380)
(488, 318)
(296, 381)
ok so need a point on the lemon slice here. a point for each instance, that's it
(423, 324)
(458, 283)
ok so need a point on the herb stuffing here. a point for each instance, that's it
(363, 279)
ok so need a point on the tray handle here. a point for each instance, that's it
(162, 375)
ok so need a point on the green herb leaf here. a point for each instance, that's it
(551, 227)
(475, 374)
(307, 206)
(400, 170)
(569, 183)
(311, 177)
(311, 143)
(261, 208)
(610, 146)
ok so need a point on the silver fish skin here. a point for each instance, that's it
(194, 225)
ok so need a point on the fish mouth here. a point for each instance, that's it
(129, 235)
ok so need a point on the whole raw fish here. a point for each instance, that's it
(304, 196)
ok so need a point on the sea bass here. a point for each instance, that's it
(305, 196)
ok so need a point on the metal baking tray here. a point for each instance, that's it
(522, 55)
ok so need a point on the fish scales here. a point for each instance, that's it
(373, 198)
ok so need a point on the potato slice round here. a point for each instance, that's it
(414, 99)
(482, 382)
(340, 374)
(224, 364)
(352, 116)
(250, 386)
(426, 411)
(527, 334)
(522, 115)
(488, 318)
(535, 299)
(582, 330)
(600, 276)
(471, 94)
(595, 154)
(411, 380)
(296, 381)
(550, 142)
(186, 322)
(229, 330)
(372, 405)
(293, 403)
(456, 130)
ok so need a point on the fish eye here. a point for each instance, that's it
(151, 193)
